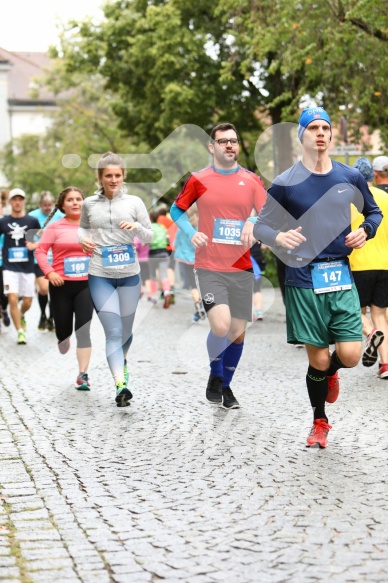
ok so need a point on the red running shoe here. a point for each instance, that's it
(64, 346)
(167, 300)
(383, 371)
(333, 383)
(82, 383)
(318, 433)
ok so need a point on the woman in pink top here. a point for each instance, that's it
(143, 252)
(68, 279)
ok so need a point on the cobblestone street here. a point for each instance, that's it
(175, 489)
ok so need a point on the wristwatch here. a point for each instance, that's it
(367, 229)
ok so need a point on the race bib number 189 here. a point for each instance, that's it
(76, 266)
(17, 254)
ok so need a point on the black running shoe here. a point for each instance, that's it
(375, 338)
(6, 320)
(50, 325)
(229, 401)
(42, 323)
(214, 390)
(123, 395)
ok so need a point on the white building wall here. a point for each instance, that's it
(5, 135)
(18, 120)
(28, 120)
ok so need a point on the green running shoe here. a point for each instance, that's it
(123, 394)
(21, 338)
(23, 323)
(82, 383)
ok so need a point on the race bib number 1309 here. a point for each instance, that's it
(117, 255)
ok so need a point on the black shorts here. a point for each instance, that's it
(372, 287)
(233, 289)
(38, 271)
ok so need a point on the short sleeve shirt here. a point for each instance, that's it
(15, 258)
(226, 197)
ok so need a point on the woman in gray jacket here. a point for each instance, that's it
(109, 222)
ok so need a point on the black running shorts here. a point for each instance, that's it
(372, 287)
(38, 271)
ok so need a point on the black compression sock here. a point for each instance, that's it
(316, 381)
(335, 364)
(42, 302)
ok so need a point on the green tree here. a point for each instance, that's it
(331, 51)
(175, 62)
(84, 125)
(154, 65)
(161, 62)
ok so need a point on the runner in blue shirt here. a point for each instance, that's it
(306, 220)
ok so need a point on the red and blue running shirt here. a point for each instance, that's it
(224, 203)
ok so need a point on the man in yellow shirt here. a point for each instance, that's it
(369, 266)
(380, 167)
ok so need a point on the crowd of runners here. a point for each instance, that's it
(323, 220)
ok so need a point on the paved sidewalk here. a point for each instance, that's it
(174, 489)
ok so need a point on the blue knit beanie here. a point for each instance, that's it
(365, 166)
(311, 114)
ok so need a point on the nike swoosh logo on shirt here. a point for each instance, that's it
(317, 240)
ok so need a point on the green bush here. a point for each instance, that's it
(270, 269)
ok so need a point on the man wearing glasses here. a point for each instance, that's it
(225, 194)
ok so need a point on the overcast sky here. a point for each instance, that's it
(28, 25)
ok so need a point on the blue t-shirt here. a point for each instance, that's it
(38, 214)
(320, 204)
(184, 249)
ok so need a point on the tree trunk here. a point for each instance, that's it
(281, 143)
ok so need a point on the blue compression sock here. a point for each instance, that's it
(215, 348)
(231, 359)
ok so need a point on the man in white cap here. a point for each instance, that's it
(380, 167)
(306, 220)
(18, 260)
